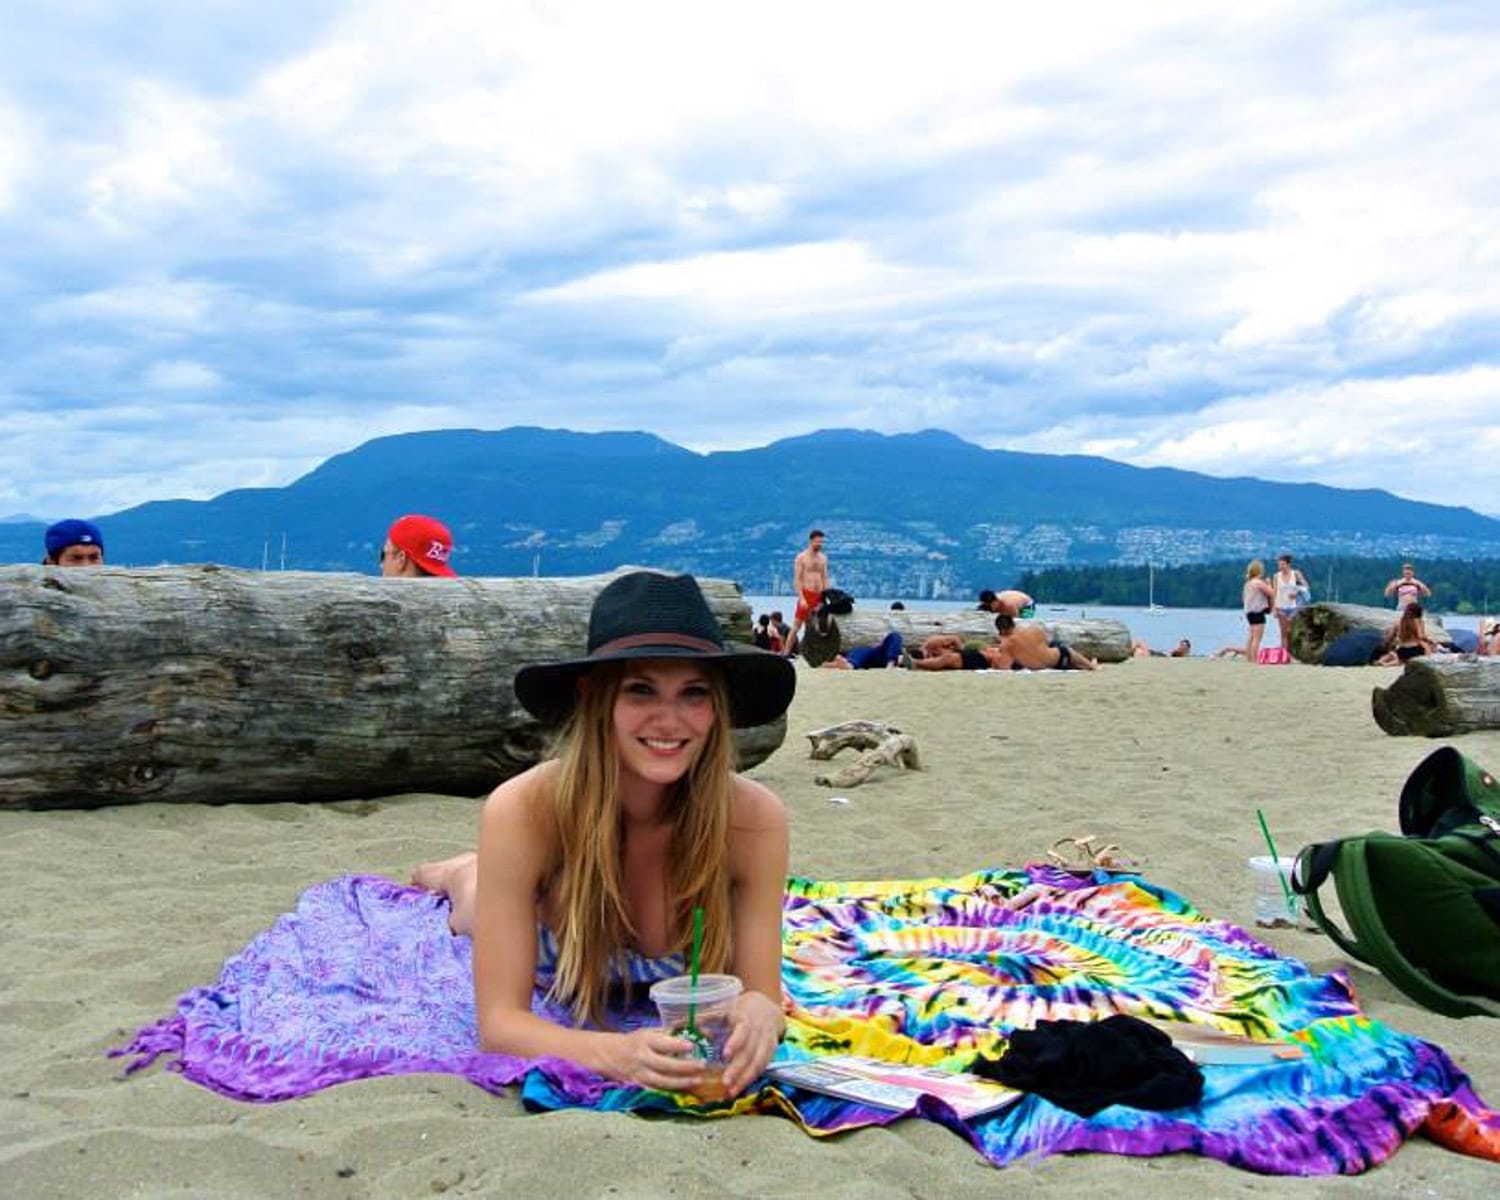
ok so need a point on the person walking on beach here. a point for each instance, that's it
(73, 543)
(591, 864)
(810, 580)
(1291, 590)
(1256, 597)
(1407, 588)
(417, 547)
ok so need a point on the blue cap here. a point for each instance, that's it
(72, 532)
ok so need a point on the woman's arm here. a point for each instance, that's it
(758, 853)
(515, 844)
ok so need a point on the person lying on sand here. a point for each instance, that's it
(956, 656)
(591, 864)
(1027, 647)
(869, 658)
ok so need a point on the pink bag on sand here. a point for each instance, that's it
(1272, 656)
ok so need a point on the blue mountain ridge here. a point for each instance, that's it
(905, 513)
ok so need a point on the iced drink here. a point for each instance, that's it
(701, 1015)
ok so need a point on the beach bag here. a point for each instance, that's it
(838, 602)
(1423, 906)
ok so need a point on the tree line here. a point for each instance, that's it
(1458, 585)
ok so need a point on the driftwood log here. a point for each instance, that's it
(1316, 626)
(1102, 638)
(217, 685)
(883, 745)
(1438, 697)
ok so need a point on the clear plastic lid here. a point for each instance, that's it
(712, 989)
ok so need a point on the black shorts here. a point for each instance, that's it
(1406, 652)
(973, 660)
(1255, 618)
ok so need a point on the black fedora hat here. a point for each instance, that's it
(647, 614)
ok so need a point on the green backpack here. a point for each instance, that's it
(1424, 908)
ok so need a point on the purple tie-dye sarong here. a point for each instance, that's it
(364, 979)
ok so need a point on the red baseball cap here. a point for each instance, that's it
(424, 540)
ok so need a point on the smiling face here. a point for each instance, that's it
(663, 714)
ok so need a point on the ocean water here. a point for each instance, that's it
(1209, 629)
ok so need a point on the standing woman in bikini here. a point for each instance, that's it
(1256, 597)
(1290, 586)
(590, 864)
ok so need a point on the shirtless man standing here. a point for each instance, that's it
(1027, 646)
(810, 579)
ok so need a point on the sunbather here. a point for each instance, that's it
(590, 865)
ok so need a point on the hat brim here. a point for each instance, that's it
(760, 684)
(439, 570)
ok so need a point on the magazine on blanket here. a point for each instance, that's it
(893, 1085)
(1207, 1046)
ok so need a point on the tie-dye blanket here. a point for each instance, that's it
(364, 979)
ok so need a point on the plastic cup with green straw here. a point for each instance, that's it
(1286, 888)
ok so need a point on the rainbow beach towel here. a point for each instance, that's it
(365, 979)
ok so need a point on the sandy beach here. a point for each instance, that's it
(110, 914)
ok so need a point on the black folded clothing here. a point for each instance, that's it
(1085, 1066)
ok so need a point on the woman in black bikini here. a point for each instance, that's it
(1411, 637)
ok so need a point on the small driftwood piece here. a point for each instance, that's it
(882, 745)
(1439, 697)
(862, 735)
(1316, 626)
(217, 685)
(1102, 638)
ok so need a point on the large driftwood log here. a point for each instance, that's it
(209, 684)
(1316, 626)
(1438, 697)
(1102, 638)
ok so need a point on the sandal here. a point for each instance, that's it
(1080, 854)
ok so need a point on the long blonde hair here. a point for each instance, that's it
(1255, 570)
(590, 915)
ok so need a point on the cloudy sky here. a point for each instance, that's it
(237, 238)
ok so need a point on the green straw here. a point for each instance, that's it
(1286, 888)
(692, 1023)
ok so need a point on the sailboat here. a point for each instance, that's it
(1152, 606)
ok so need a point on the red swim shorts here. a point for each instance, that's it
(806, 605)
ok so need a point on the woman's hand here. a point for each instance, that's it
(651, 1058)
(755, 1031)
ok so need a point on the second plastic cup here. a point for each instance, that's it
(1271, 908)
(710, 1005)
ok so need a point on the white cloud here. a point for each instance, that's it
(182, 375)
(166, 155)
(1171, 233)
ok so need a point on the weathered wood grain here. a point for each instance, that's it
(217, 685)
(1439, 697)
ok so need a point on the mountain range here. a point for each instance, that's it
(910, 514)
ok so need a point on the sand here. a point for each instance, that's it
(110, 914)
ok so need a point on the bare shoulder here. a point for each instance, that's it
(753, 806)
(521, 805)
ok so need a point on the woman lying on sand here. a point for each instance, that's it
(590, 864)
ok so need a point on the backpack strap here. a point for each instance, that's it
(1357, 897)
(1310, 872)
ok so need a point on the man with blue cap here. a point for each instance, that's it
(74, 543)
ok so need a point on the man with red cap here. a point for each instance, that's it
(417, 546)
